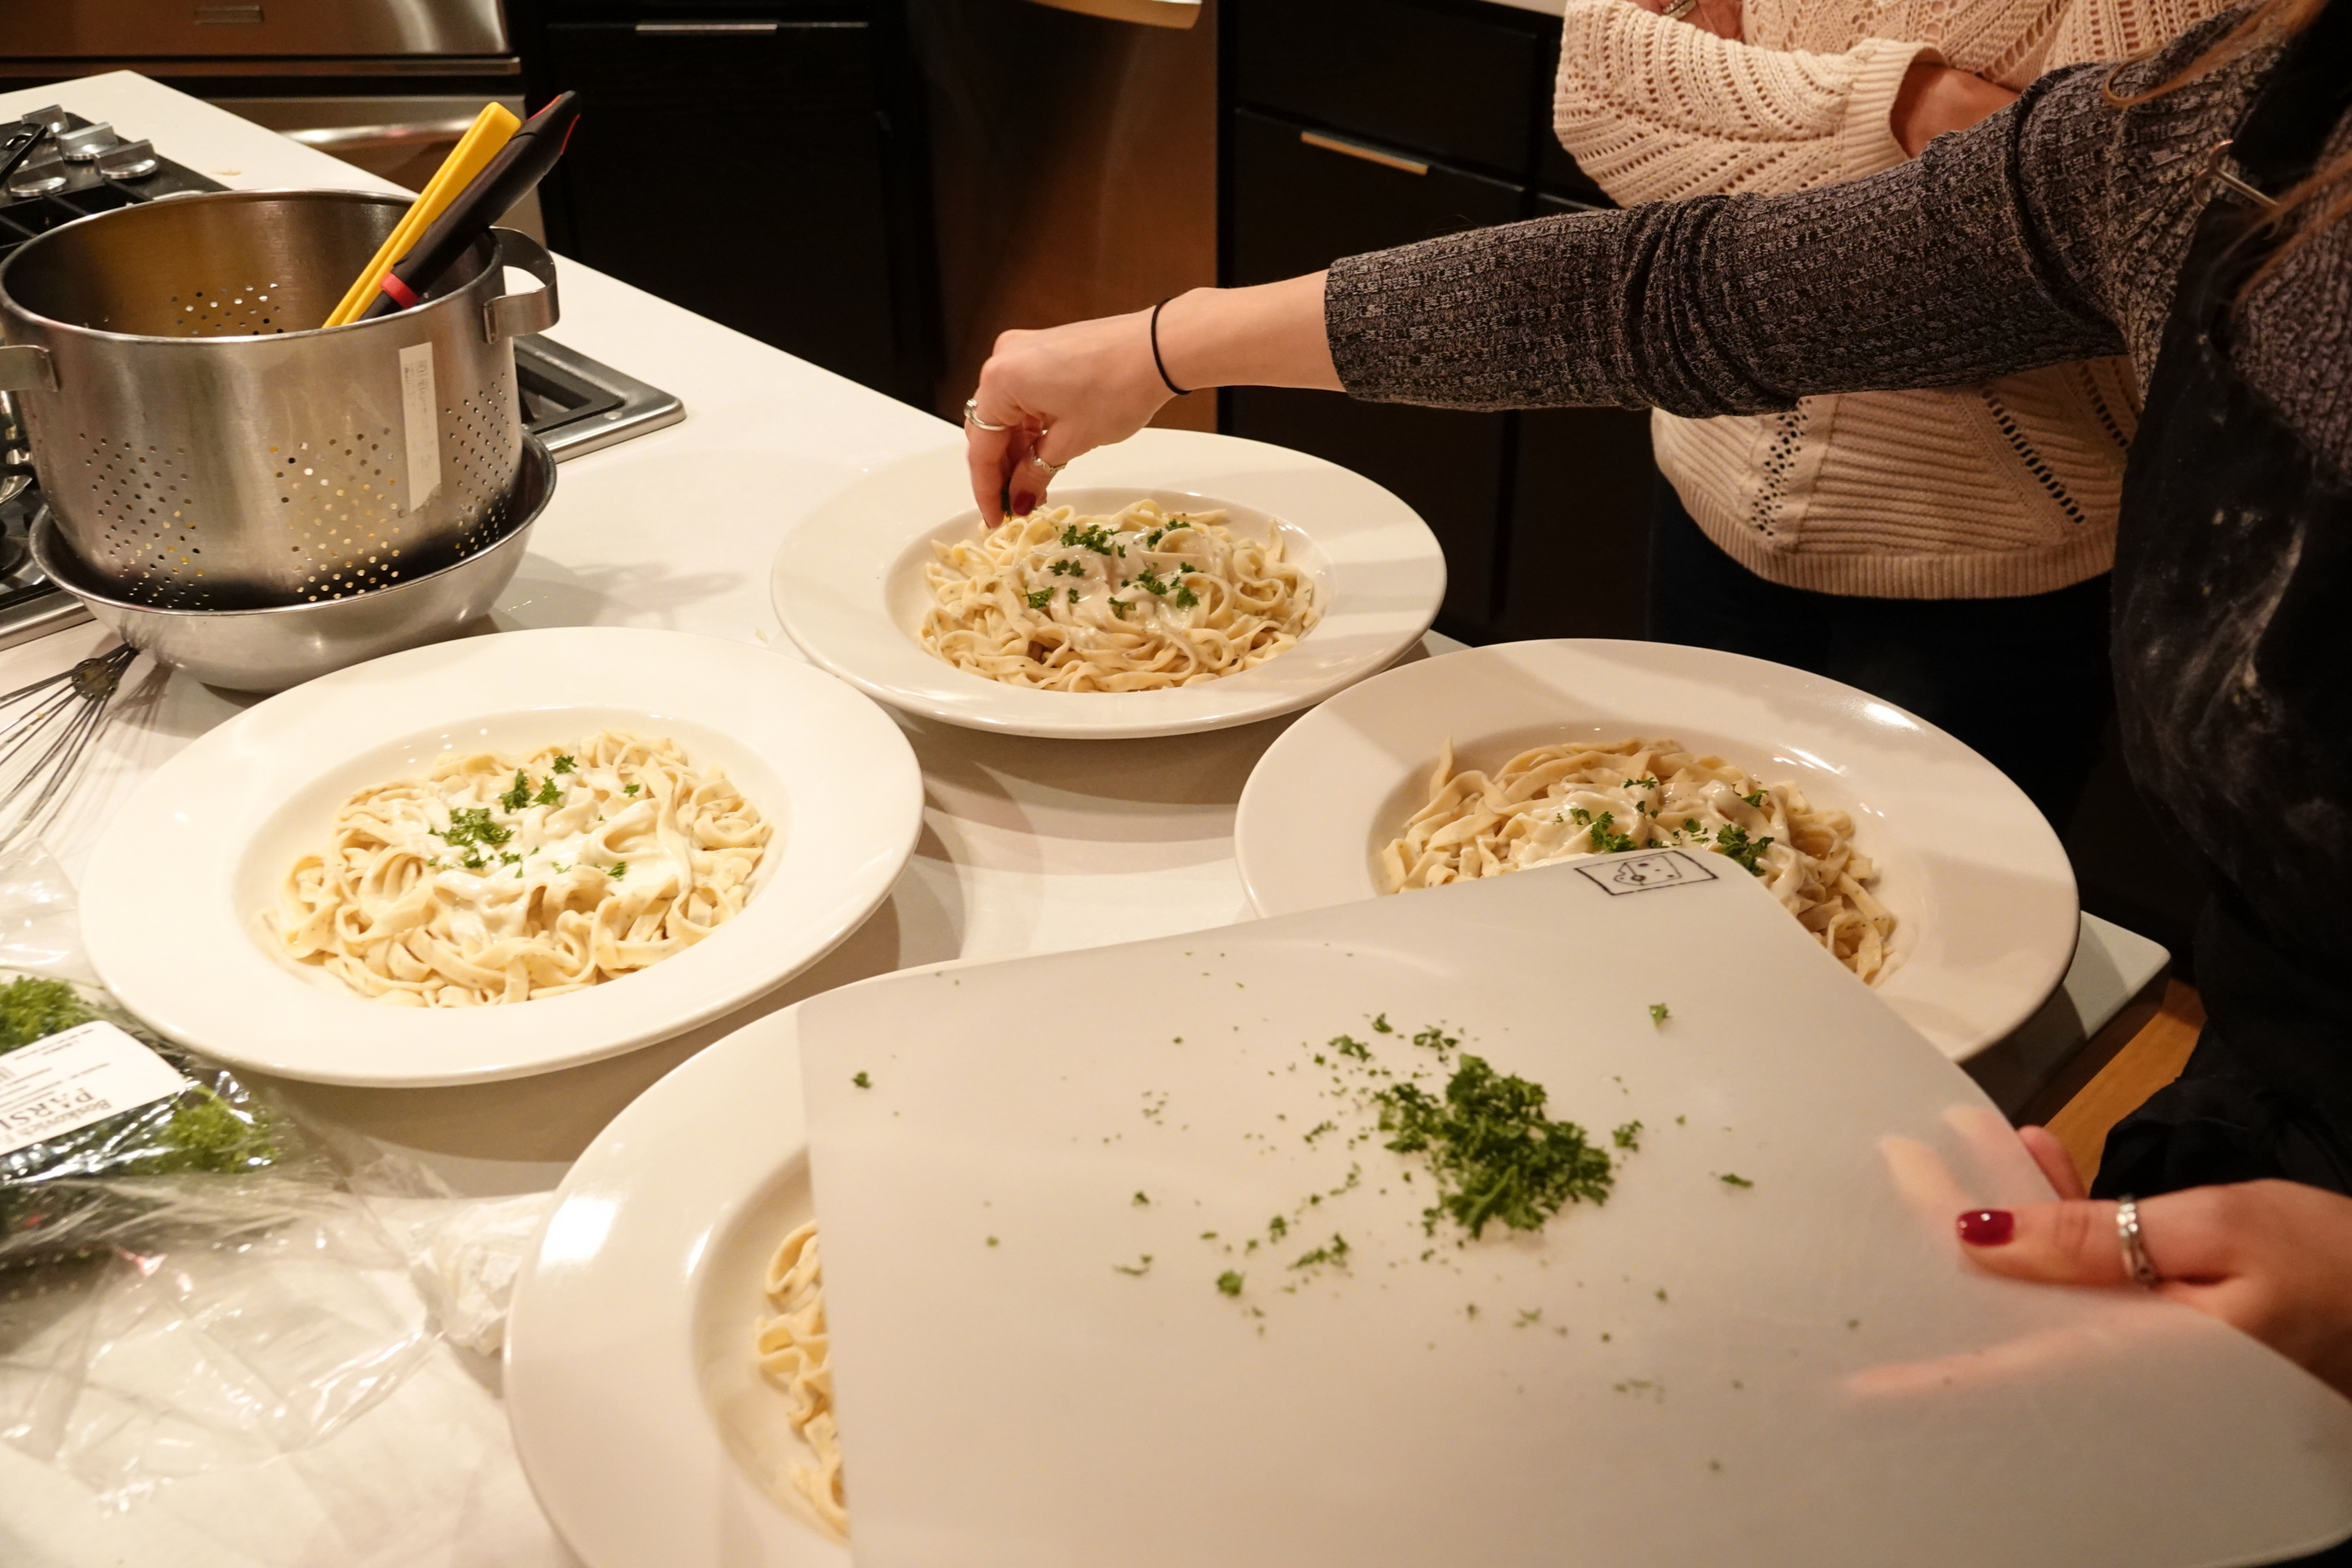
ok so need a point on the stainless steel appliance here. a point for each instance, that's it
(571, 402)
(207, 448)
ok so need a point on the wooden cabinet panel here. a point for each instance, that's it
(1294, 206)
(1441, 80)
(1575, 559)
(738, 173)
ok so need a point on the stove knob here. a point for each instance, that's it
(38, 177)
(127, 161)
(83, 146)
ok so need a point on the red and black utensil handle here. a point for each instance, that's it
(520, 166)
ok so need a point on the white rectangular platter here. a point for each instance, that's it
(1036, 1365)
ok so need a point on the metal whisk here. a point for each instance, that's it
(45, 728)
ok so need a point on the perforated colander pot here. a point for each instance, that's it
(202, 445)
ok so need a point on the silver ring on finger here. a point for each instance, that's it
(1679, 9)
(2135, 1249)
(972, 416)
(1038, 458)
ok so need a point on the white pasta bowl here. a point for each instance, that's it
(174, 899)
(1981, 889)
(849, 583)
(646, 1427)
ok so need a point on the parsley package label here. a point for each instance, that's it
(66, 1082)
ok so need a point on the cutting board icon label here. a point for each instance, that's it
(1646, 873)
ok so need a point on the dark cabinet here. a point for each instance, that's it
(757, 166)
(1356, 125)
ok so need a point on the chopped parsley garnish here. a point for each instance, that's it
(617, 870)
(1333, 1253)
(1278, 1227)
(1605, 841)
(1068, 568)
(1139, 1267)
(1496, 1155)
(506, 859)
(1073, 596)
(1629, 1136)
(1093, 537)
(1119, 608)
(1040, 599)
(562, 764)
(1732, 842)
(519, 796)
(991, 1241)
(1729, 1179)
(550, 793)
(471, 825)
(1641, 784)
(1756, 799)
(862, 1080)
(1659, 1015)
(630, 790)
(1140, 1200)
(1229, 1283)
(1349, 1045)
(1380, 1025)
(1150, 582)
(1185, 598)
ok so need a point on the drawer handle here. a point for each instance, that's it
(1358, 149)
(723, 29)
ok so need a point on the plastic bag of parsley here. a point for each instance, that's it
(96, 1112)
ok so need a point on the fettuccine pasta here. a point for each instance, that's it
(496, 879)
(1558, 803)
(796, 1354)
(1134, 601)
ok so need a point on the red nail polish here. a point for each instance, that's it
(1988, 1228)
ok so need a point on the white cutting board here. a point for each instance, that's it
(1801, 1371)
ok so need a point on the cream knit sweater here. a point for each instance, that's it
(2008, 488)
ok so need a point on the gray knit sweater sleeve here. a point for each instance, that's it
(2052, 232)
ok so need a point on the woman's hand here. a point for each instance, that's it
(2273, 1259)
(1936, 98)
(1068, 389)
(1057, 393)
(1720, 18)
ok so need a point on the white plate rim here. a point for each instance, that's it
(603, 1397)
(1283, 872)
(164, 932)
(1386, 577)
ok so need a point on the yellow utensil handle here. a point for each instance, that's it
(490, 132)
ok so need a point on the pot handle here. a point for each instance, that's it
(513, 315)
(26, 367)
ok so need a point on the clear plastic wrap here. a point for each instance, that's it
(186, 1283)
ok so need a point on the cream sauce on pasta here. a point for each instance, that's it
(1138, 601)
(1562, 803)
(499, 879)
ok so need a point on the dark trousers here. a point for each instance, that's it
(2024, 681)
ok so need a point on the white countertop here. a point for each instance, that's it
(1030, 846)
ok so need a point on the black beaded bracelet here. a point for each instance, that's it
(1167, 380)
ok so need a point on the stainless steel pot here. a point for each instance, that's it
(203, 444)
(271, 649)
